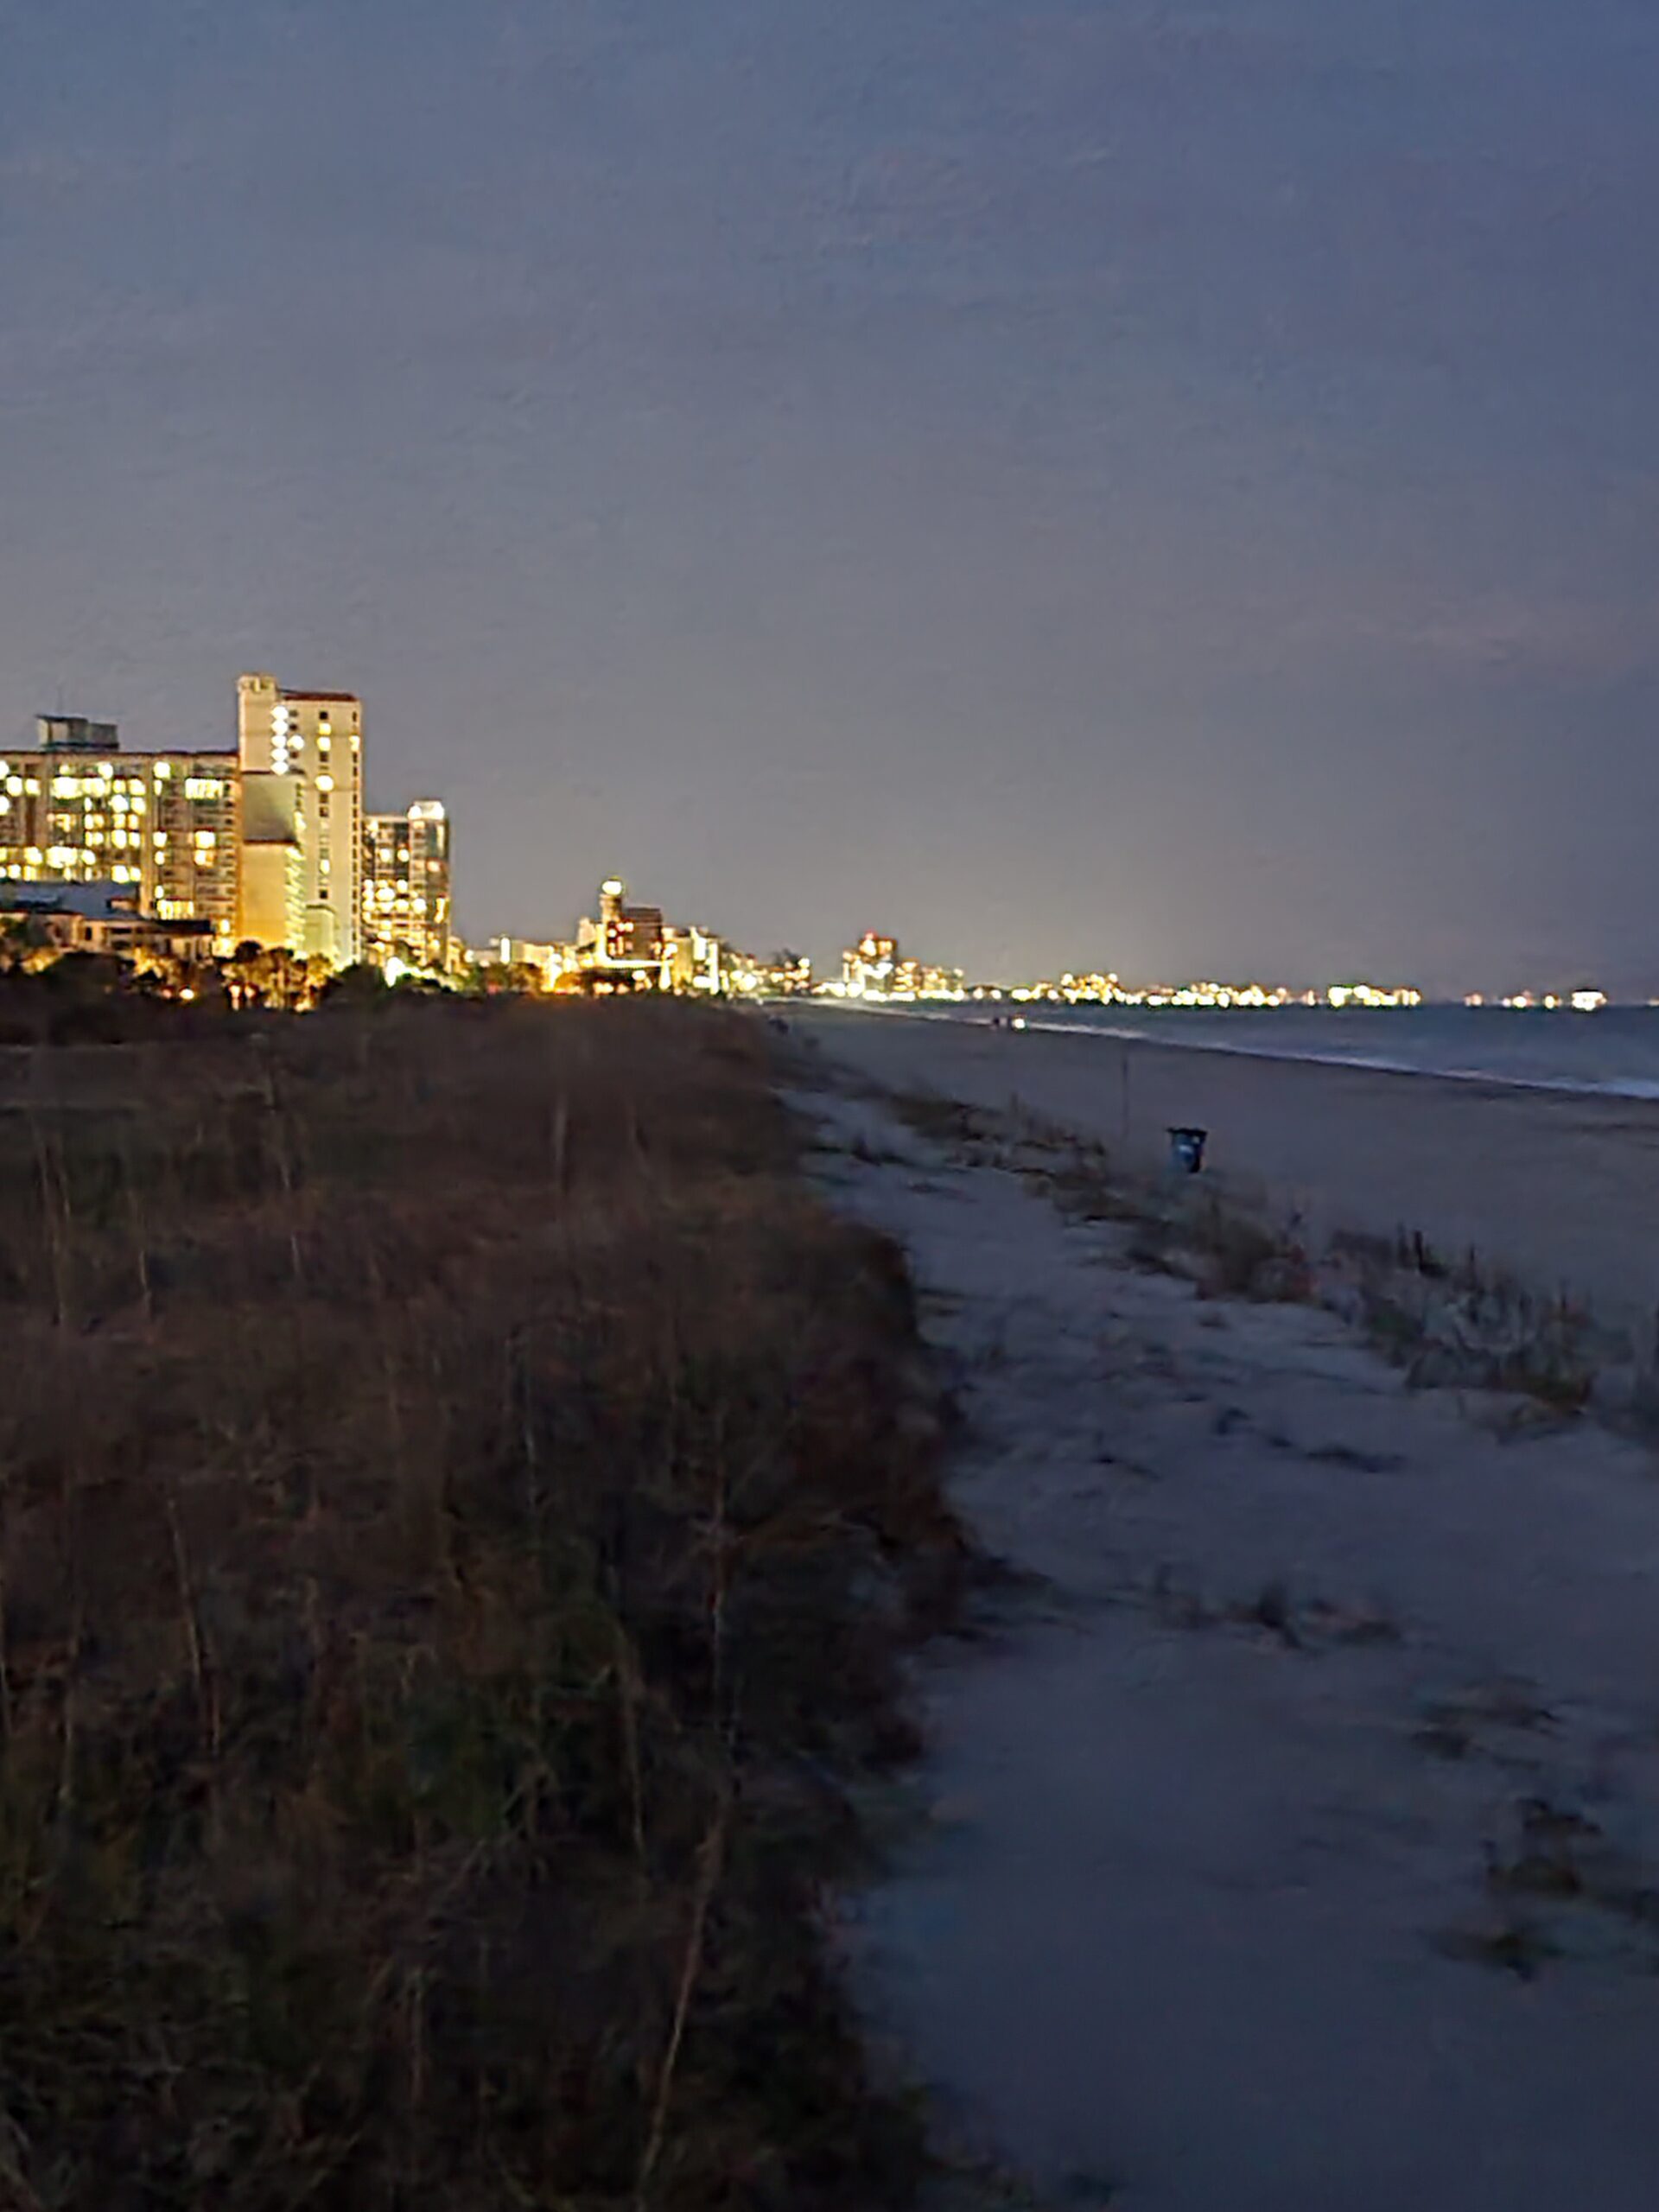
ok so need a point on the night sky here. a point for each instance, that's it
(1075, 483)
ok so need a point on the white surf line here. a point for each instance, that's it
(1632, 1087)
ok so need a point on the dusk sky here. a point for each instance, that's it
(1169, 488)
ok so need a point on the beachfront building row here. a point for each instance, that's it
(874, 969)
(268, 842)
(779, 976)
(623, 947)
(628, 946)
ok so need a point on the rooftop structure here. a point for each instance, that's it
(75, 733)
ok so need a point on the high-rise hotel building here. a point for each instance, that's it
(406, 886)
(268, 842)
(312, 741)
(75, 809)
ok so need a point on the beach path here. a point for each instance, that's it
(1295, 1822)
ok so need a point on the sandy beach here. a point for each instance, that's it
(1291, 1833)
(1561, 1188)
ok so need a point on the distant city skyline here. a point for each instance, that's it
(1152, 485)
(397, 901)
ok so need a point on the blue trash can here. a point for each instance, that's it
(1186, 1149)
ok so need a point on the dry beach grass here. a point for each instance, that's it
(462, 1502)
(1467, 1326)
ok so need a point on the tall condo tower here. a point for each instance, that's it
(406, 886)
(316, 738)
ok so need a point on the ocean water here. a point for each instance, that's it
(1616, 1051)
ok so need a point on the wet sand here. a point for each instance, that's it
(1560, 1188)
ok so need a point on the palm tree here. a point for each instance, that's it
(284, 977)
(244, 974)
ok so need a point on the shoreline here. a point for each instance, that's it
(1635, 1088)
(1558, 1188)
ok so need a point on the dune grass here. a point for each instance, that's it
(462, 1503)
